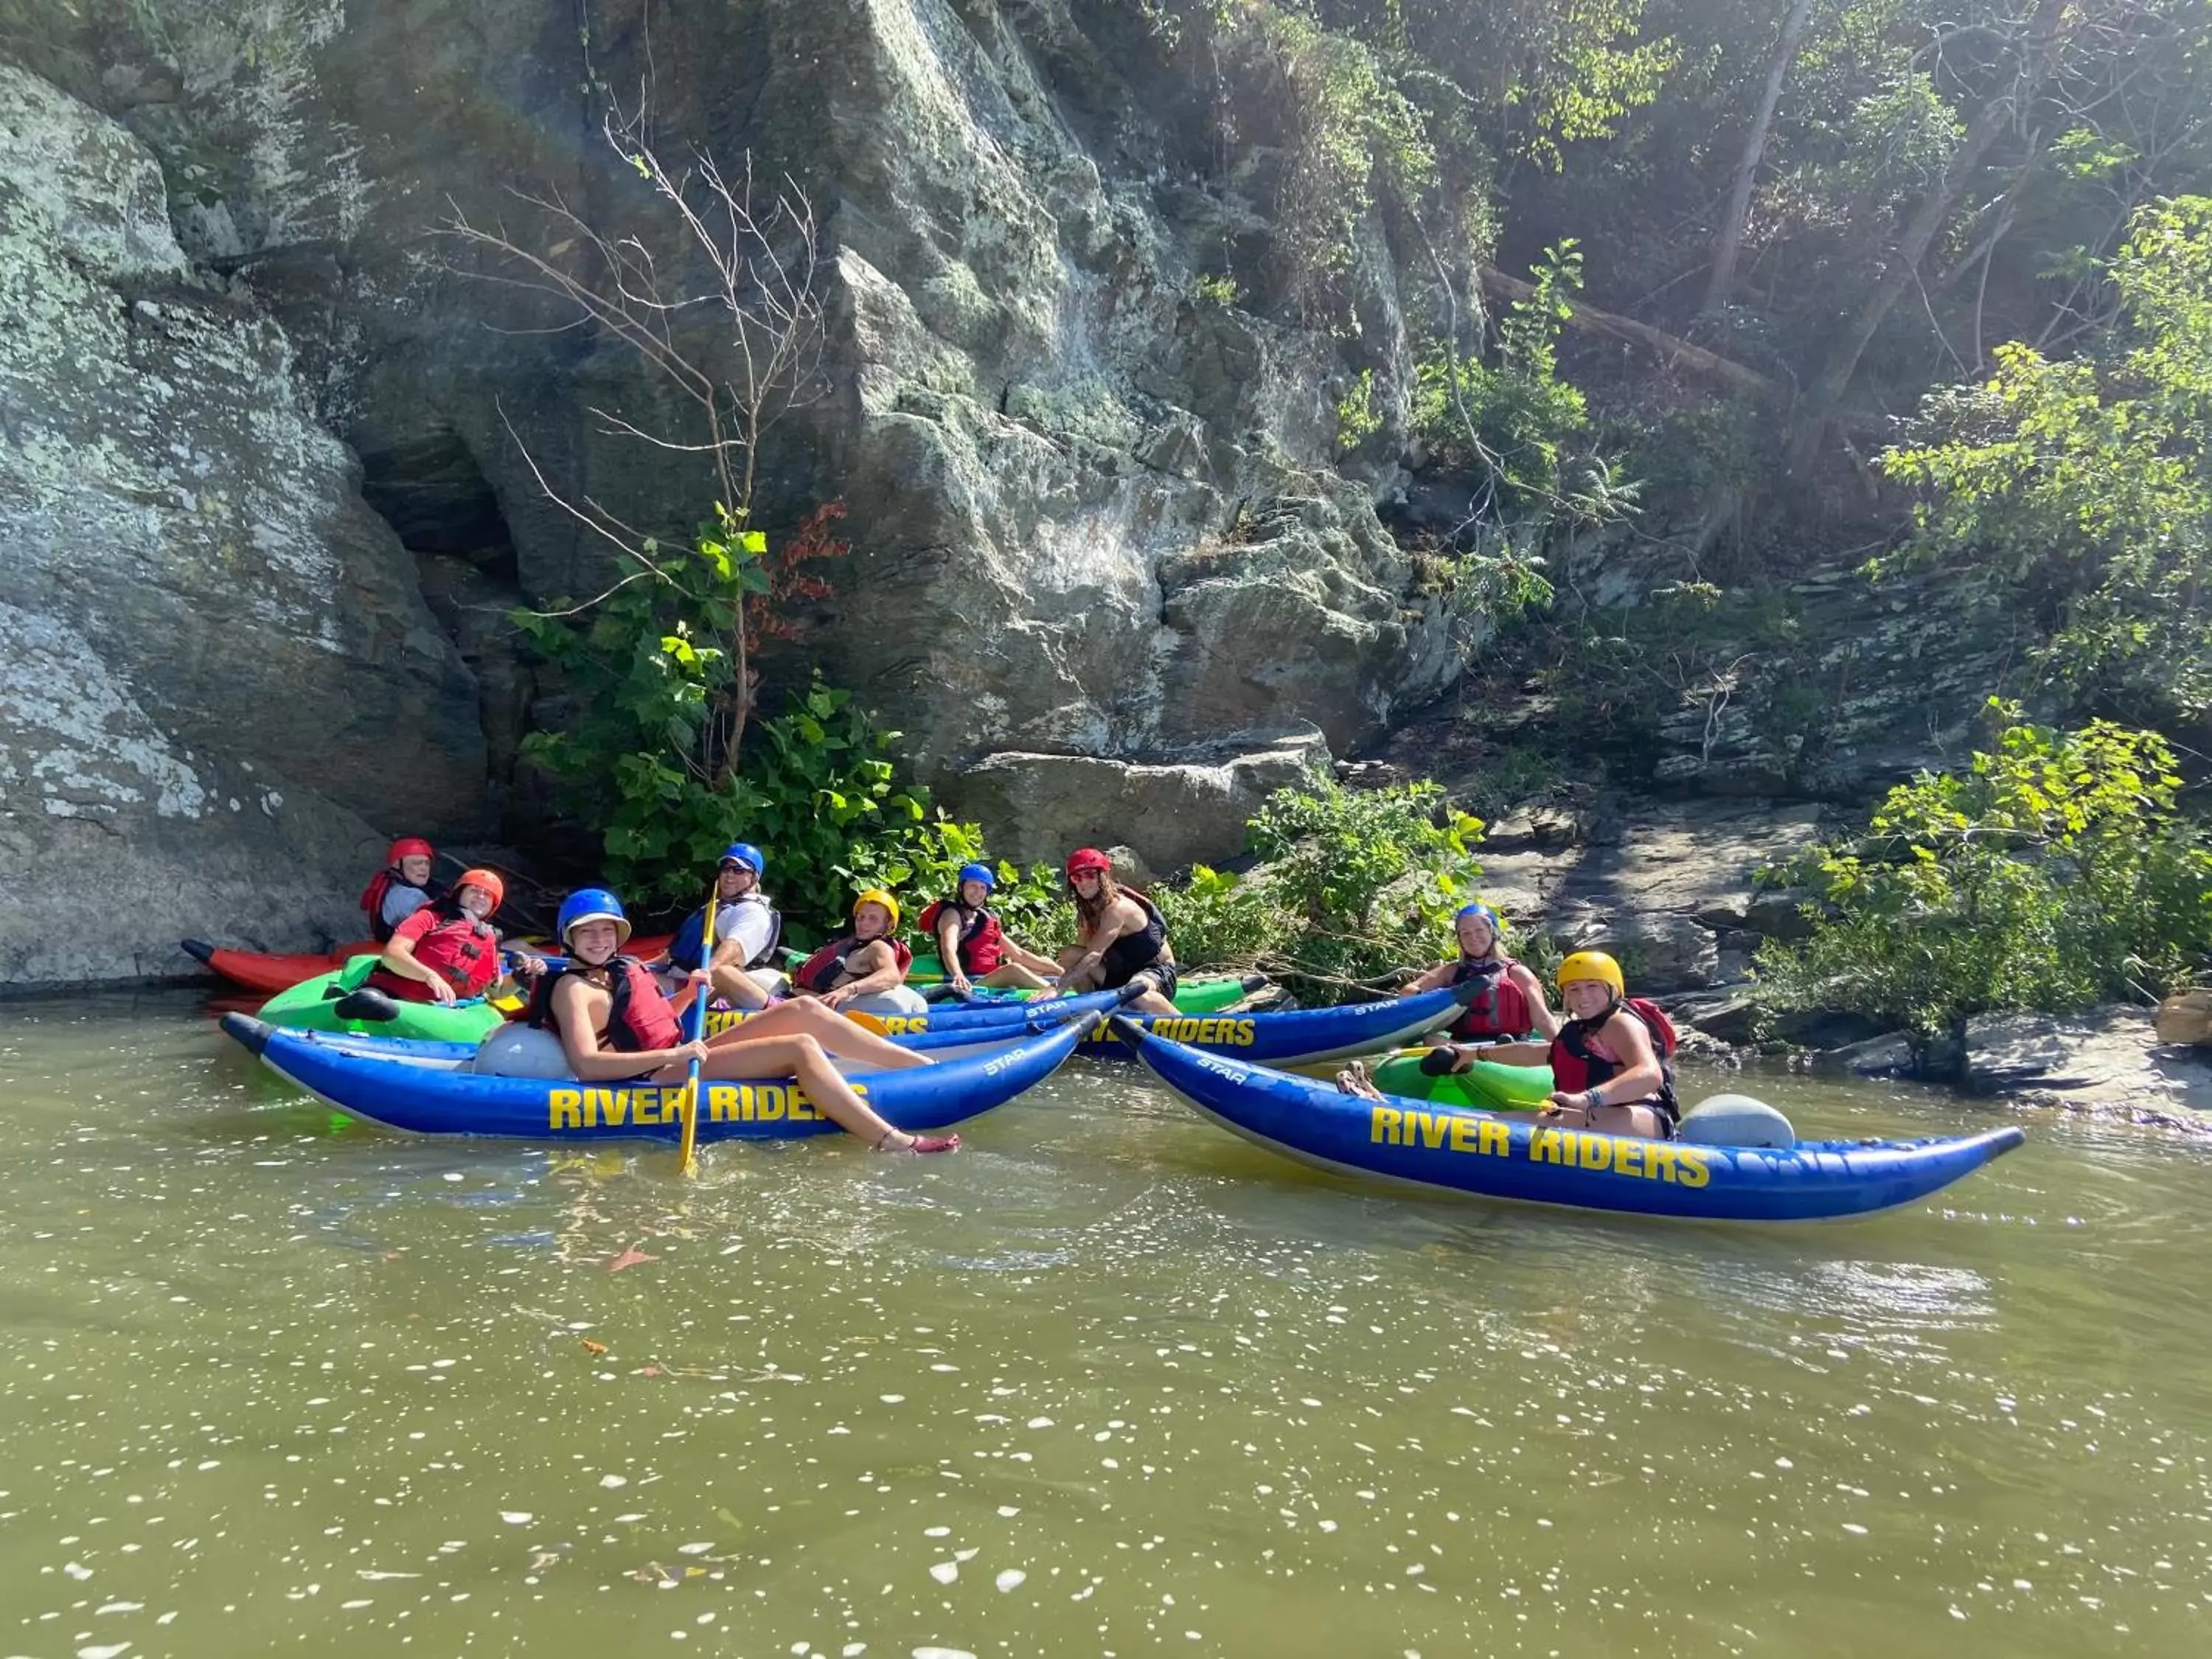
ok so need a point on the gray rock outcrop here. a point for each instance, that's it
(1092, 510)
(1177, 815)
(214, 657)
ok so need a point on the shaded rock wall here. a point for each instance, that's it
(213, 655)
(1090, 513)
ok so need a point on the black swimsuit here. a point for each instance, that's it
(1139, 953)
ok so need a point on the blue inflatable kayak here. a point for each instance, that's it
(1455, 1150)
(1293, 1036)
(1000, 1018)
(949, 1045)
(435, 1094)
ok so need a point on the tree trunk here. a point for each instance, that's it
(1903, 266)
(1729, 242)
(1678, 352)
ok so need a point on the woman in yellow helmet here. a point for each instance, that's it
(1609, 1061)
(868, 962)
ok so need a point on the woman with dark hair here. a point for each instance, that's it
(1121, 937)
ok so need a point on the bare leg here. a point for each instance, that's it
(832, 1031)
(1639, 1120)
(738, 988)
(1151, 1003)
(798, 1057)
(1015, 974)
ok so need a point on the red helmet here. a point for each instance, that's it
(487, 879)
(410, 846)
(1088, 859)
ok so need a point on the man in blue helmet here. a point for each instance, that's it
(748, 932)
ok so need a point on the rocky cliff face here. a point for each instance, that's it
(213, 655)
(1093, 513)
(1104, 575)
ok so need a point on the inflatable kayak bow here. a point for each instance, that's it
(1453, 1150)
(437, 1095)
(1293, 1036)
(270, 972)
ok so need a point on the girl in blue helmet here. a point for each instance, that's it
(615, 1024)
(1510, 1002)
(748, 933)
(972, 944)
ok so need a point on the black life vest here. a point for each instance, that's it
(639, 1020)
(1131, 954)
(1499, 1010)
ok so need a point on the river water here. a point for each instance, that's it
(1109, 1381)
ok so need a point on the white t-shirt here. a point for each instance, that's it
(751, 920)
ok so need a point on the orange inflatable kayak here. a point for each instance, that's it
(270, 972)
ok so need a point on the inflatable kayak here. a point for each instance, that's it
(270, 972)
(1485, 1085)
(426, 1093)
(1448, 1150)
(328, 1002)
(1204, 993)
(981, 1017)
(1292, 1036)
(952, 1045)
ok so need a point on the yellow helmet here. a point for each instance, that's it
(877, 896)
(1593, 964)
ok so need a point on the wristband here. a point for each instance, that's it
(1592, 1099)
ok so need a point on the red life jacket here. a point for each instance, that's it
(982, 942)
(821, 971)
(1575, 1067)
(1499, 1010)
(639, 1019)
(460, 949)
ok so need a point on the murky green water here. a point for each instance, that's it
(1109, 1382)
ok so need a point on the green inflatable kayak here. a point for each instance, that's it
(314, 1005)
(1485, 1086)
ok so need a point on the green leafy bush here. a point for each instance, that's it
(2086, 479)
(2055, 874)
(1364, 881)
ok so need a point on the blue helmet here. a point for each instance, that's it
(1496, 927)
(979, 872)
(745, 852)
(593, 904)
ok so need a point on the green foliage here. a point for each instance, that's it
(1357, 418)
(1584, 70)
(2056, 872)
(1353, 142)
(1365, 880)
(1215, 289)
(2087, 479)
(1219, 921)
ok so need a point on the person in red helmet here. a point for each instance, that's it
(1121, 938)
(400, 889)
(447, 951)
